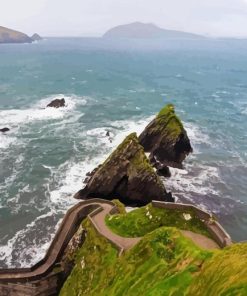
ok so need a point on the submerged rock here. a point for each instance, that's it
(57, 103)
(127, 175)
(166, 139)
(4, 130)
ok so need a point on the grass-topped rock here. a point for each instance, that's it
(127, 175)
(166, 139)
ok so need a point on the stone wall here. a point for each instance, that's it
(27, 281)
(218, 233)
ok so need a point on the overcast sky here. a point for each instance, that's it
(94, 17)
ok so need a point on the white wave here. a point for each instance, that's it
(183, 181)
(35, 251)
(6, 141)
(99, 132)
(196, 135)
(39, 111)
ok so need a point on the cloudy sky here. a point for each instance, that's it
(94, 17)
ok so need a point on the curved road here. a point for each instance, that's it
(96, 210)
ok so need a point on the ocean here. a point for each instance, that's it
(116, 87)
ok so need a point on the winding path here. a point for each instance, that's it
(98, 221)
(201, 240)
(12, 280)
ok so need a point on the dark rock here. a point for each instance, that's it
(57, 103)
(127, 175)
(164, 172)
(166, 139)
(4, 130)
(86, 180)
(107, 134)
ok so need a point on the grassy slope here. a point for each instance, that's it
(163, 263)
(225, 274)
(146, 219)
(89, 273)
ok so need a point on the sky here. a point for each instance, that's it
(94, 17)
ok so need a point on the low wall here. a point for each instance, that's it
(40, 279)
(218, 233)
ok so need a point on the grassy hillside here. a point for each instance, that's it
(164, 262)
(164, 259)
(11, 36)
(146, 219)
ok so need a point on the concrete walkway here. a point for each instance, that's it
(126, 243)
(201, 240)
(98, 220)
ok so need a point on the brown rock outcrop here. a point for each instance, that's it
(166, 139)
(127, 175)
(57, 103)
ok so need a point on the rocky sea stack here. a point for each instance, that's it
(166, 139)
(127, 175)
(36, 37)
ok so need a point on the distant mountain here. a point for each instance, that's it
(36, 37)
(12, 36)
(147, 31)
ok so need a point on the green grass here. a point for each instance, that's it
(163, 263)
(168, 122)
(163, 259)
(225, 274)
(90, 263)
(146, 219)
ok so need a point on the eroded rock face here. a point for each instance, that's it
(166, 139)
(126, 175)
(57, 103)
(4, 130)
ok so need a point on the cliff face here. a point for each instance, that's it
(127, 175)
(11, 36)
(166, 139)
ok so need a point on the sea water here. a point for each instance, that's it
(115, 87)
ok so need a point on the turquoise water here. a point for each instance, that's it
(116, 88)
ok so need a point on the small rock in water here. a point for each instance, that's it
(4, 130)
(57, 103)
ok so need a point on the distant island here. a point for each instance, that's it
(12, 36)
(140, 30)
